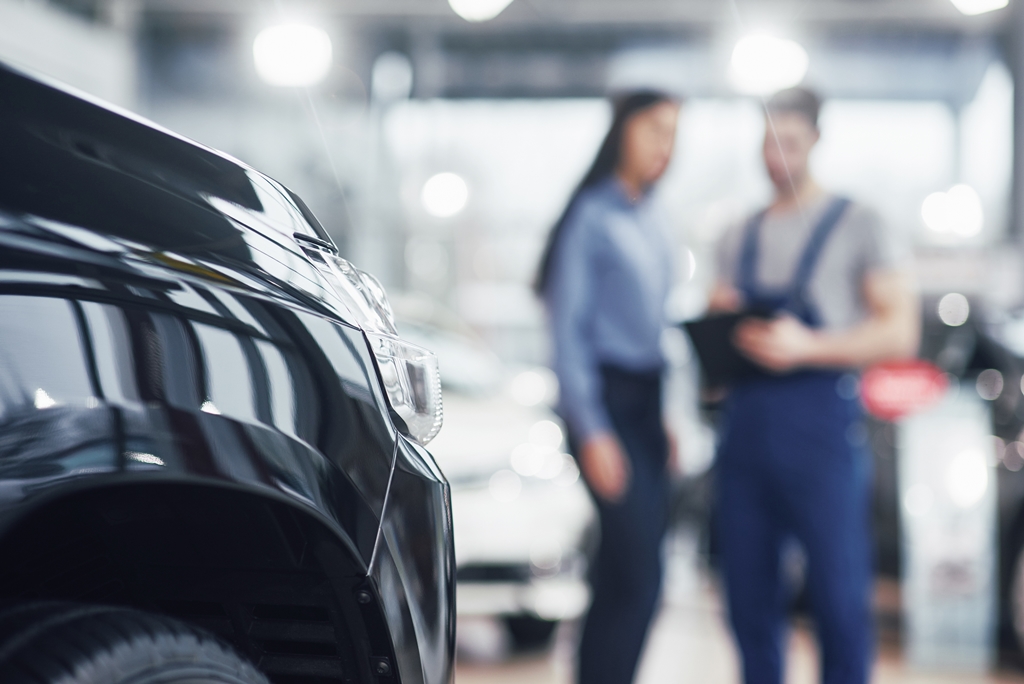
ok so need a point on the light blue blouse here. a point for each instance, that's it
(610, 276)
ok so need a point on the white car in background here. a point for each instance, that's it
(523, 518)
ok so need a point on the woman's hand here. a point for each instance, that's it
(605, 467)
(780, 345)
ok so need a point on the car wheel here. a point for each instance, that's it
(60, 643)
(530, 633)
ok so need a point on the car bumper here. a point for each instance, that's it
(414, 569)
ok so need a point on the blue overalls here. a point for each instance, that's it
(790, 467)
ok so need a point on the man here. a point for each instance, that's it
(832, 293)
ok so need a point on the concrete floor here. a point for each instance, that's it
(688, 643)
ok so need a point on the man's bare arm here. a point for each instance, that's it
(891, 331)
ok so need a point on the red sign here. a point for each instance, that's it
(896, 389)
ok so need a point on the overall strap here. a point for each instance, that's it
(747, 276)
(812, 252)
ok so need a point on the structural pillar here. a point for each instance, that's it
(1015, 57)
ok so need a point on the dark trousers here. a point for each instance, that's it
(626, 574)
(789, 469)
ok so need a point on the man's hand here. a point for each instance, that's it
(724, 298)
(605, 467)
(779, 345)
(891, 331)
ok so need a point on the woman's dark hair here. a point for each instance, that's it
(607, 160)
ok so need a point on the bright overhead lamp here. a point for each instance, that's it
(479, 10)
(957, 212)
(972, 7)
(391, 77)
(292, 55)
(762, 64)
(444, 195)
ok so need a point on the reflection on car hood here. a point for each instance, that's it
(127, 186)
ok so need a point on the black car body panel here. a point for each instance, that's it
(418, 588)
(190, 420)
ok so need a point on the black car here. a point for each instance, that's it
(211, 462)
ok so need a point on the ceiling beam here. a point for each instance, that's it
(570, 13)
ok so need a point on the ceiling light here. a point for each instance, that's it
(479, 10)
(762, 64)
(292, 55)
(391, 77)
(957, 211)
(444, 195)
(972, 7)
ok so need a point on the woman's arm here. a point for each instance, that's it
(570, 301)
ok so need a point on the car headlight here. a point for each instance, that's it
(412, 380)
(363, 294)
(410, 374)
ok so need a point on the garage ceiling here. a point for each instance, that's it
(622, 13)
(570, 48)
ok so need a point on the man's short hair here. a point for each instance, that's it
(801, 101)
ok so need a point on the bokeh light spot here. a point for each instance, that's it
(533, 387)
(546, 433)
(1013, 456)
(967, 478)
(391, 77)
(528, 459)
(292, 55)
(957, 212)
(973, 7)
(444, 195)
(762, 64)
(990, 384)
(954, 309)
(478, 10)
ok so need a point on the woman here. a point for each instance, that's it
(605, 276)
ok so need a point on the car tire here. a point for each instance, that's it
(530, 633)
(61, 643)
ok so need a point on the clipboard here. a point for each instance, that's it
(721, 362)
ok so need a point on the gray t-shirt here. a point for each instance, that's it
(858, 245)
